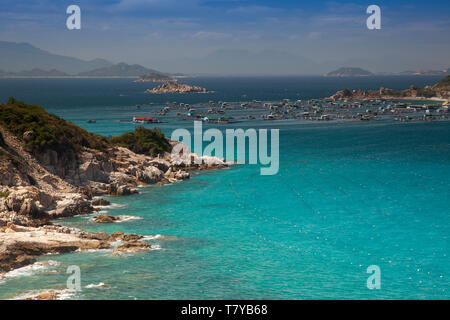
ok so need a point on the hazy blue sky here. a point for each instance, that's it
(239, 36)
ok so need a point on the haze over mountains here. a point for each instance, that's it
(17, 57)
(121, 69)
(26, 60)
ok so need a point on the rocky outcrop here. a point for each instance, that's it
(133, 246)
(20, 245)
(37, 188)
(62, 184)
(116, 189)
(46, 295)
(106, 219)
(100, 202)
(175, 87)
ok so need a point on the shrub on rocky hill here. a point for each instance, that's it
(40, 130)
(143, 141)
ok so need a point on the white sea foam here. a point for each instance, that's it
(92, 250)
(150, 238)
(122, 218)
(32, 269)
(159, 237)
(116, 244)
(125, 218)
(66, 295)
(118, 205)
(61, 294)
(112, 206)
(99, 285)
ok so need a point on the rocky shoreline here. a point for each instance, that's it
(37, 189)
(439, 92)
(19, 246)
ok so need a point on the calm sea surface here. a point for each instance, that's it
(347, 196)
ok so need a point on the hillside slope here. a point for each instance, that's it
(16, 57)
(440, 90)
(122, 70)
(51, 167)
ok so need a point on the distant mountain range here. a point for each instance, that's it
(17, 57)
(25, 60)
(424, 72)
(358, 72)
(122, 70)
(349, 72)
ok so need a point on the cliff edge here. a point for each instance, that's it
(50, 168)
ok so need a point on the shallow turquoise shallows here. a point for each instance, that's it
(347, 196)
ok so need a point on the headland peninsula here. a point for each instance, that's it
(51, 168)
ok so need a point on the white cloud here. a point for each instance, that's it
(208, 35)
(314, 35)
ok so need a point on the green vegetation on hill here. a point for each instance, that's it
(346, 92)
(444, 83)
(4, 194)
(40, 130)
(423, 92)
(44, 130)
(143, 141)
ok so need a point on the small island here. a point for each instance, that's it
(174, 87)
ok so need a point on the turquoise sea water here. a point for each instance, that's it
(347, 196)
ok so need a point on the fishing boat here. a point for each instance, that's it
(145, 120)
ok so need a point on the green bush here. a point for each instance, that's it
(444, 82)
(51, 132)
(346, 92)
(143, 141)
(4, 194)
(426, 93)
(48, 131)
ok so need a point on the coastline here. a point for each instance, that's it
(69, 187)
(21, 243)
(405, 98)
(157, 210)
